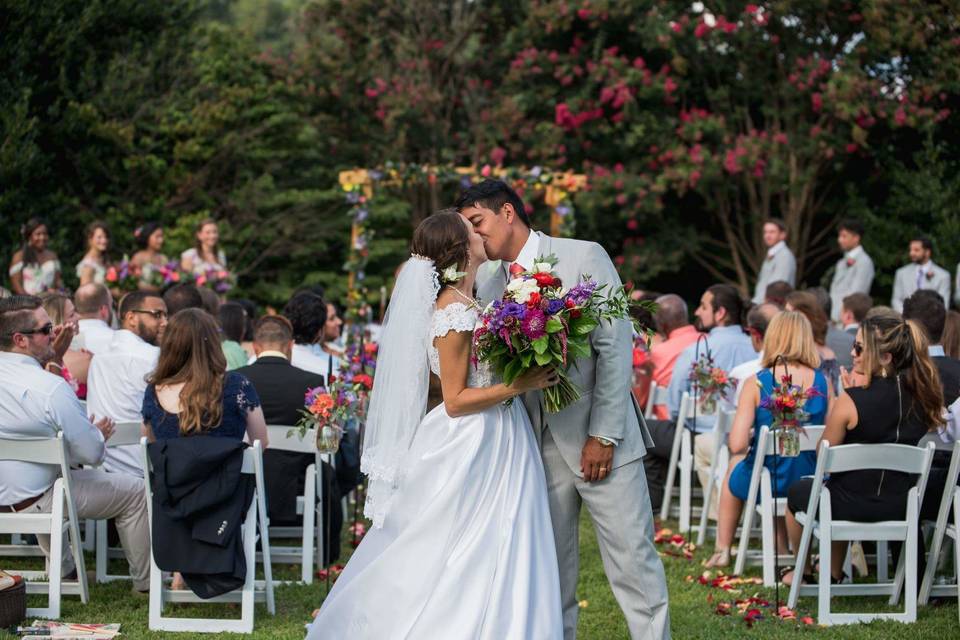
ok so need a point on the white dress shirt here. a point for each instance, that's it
(742, 372)
(95, 335)
(304, 357)
(528, 254)
(37, 404)
(116, 383)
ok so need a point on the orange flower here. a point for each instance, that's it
(322, 405)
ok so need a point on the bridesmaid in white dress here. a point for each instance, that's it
(35, 269)
(207, 254)
(93, 266)
(462, 543)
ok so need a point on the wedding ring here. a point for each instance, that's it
(604, 469)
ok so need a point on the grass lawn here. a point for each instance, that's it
(692, 615)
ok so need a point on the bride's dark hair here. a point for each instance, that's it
(443, 238)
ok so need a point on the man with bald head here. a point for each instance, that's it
(673, 323)
(94, 304)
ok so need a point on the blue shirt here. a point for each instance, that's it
(239, 398)
(729, 346)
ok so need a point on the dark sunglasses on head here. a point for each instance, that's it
(158, 314)
(858, 349)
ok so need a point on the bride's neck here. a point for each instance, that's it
(465, 286)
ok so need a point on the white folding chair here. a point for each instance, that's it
(718, 470)
(761, 481)
(681, 458)
(125, 434)
(658, 396)
(49, 451)
(311, 534)
(941, 529)
(254, 522)
(854, 457)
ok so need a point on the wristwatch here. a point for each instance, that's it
(605, 442)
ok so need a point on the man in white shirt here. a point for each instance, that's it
(116, 380)
(779, 263)
(921, 273)
(307, 313)
(36, 403)
(854, 271)
(94, 304)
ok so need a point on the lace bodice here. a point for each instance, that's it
(457, 317)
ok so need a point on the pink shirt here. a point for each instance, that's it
(664, 355)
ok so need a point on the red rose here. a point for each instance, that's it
(851, 262)
(574, 313)
(556, 283)
(544, 279)
(533, 300)
(929, 275)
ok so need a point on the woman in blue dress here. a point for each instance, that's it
(788, 346)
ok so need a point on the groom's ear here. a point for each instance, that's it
(508, 212)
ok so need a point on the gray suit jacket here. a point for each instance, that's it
(780, 266)
(905, 284)
(856, 278)
(607, 407)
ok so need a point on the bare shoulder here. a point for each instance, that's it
(447, 297)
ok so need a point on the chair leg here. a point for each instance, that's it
(309, 518)
(671, 475)
(823, 590)
(102, 550)
(707, 501)
(883, 561)
(769, 542)
(686, 480)
(55, 573)
(910, 591)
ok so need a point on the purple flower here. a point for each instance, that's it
(554, 306)
(535, 324)
(581, 292)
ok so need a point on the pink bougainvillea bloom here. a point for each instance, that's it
(669, 85)
(694, 178)
(497, 155)
(900, 116)
(780, 138)
(759, 168)
(638, 63)
(701, 30)
(676, 27)
(851, 147)
(632, 225)
(751, 9)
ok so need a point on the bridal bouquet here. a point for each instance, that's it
(786, 404)
(712, 382)
(220, 280)
(538, 322)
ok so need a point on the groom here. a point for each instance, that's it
(591, 450)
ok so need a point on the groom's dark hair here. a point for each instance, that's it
(492, 194)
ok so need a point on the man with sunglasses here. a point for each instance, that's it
(116, 380)
(37, 403)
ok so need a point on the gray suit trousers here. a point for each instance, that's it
(620, 509)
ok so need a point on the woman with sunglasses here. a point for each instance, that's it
(893, 395)
(70, 364)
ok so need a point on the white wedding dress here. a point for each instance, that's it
(468, 550)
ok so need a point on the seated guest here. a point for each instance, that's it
(211, 301)
(893, 395)
(307, 313)
(758, 318)
(807, 304)
(719, 313)
(673, 323)
(788, 348)
(282, 387)
(190, 391)
(854, 310)
(182, 296)
(839, 341)
(926, 308)
(951, 334)
(777, 293)
(95, 306)
(117, 378)
(75, 363)
(36, 403)
(233, 322)
(35, 268)
(330, 344)
(252, 314)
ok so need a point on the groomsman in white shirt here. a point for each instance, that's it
(94, 304)
(779, 264)
(854, 272)
(921, 273)
(116, 380)
(36, 403)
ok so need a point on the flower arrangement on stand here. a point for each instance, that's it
(712, 383)
(786, 404)
(538, 322)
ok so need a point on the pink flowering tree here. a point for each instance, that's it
(699, 120)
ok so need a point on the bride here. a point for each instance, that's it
(461, 544)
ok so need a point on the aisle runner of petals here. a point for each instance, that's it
(751, 609)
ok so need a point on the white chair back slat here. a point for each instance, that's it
(126, 434)
(285, 438)
(890, 457)
(718, 469)
(38, 450)
(657, 396)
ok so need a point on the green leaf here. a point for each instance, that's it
(527, 358)
(513, 369)
(543, 359)
(541, 344)
(585, 326)
(554, 325)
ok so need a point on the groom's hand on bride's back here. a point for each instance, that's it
(535, 378)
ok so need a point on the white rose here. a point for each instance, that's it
(697, 7)
(515, 285)
(522, 293)
(542, 267)
(709, 20)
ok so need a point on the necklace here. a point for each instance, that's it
(471, 301)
